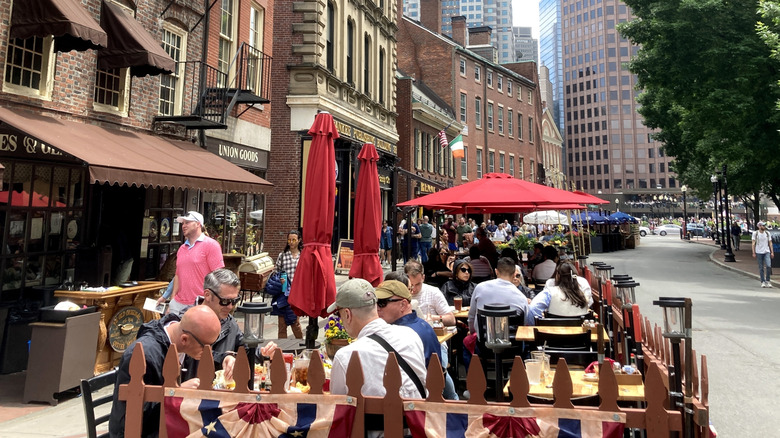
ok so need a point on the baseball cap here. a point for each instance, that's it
(391, 288)
(761, 224)
(191, 216)
(353, 294)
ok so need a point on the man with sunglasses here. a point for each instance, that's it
(198, 327)
(220, 294)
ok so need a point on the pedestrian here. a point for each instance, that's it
(287, 262)
(736, 235)
(410, 241)
(386, 244)
(198, 256)
(426, 238)
(763, 252)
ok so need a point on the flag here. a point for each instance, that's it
(440, 420)
(456, 146)
(241, 415)
(443, 139)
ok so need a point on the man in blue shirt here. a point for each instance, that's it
(394, 305)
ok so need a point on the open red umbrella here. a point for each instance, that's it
(314, 288)
(368, 219)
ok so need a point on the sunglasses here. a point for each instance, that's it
(464, 269)
(202, 345)
(518, 275)
(225, 301)
(382, 303)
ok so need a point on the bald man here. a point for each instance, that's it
(198, 327)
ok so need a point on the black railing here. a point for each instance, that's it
(253, 71)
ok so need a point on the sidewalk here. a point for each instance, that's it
(36, 420)
(745, 264)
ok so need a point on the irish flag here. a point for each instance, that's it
(456, 146)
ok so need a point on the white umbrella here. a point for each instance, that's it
(547, 217)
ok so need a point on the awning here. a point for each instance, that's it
(122, 157)
(72, 26)
(130, 45)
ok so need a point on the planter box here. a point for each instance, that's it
(596, 244)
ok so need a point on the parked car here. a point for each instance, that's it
(696, 229)
(665, 229)
(644, 231)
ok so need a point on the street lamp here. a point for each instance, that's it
(617, 204)
(714, 181)
(729, 256)
(684, 189)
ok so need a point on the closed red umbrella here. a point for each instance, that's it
(314, 288)
(368, 219)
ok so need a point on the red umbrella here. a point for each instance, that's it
(368, 219)
(314, 288)
(499, 189)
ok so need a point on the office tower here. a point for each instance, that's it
(526, 47)
(550, 54)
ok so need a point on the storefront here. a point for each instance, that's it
(97, 205)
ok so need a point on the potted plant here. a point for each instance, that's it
(335, 336)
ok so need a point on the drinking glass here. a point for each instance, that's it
(534, 369)
(545, 360)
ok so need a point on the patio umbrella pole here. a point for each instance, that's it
(311, 332)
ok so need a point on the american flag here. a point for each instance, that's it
(443, 139)
(437, 420)
(241, 415)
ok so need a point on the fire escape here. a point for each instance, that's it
(212, 99)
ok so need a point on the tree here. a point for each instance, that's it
(709, 86)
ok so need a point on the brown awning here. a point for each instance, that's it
(130, 45)
(122, 157)
(72, 26)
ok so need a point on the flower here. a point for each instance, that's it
(335, 330)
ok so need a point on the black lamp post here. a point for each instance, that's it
(684, 189)
(725, 236)
(729, 257)
(714, 180)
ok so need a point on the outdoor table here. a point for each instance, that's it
(526, 332)
(445, 337)
(290, 345)
(463, 313)
(630, 386)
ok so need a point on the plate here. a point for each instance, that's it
(129, 284)
(590, 377)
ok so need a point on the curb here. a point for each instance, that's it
(727, 266)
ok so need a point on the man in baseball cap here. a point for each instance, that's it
(356, 305)
(192, 216)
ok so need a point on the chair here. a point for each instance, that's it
(573, 358)
(555, 341)
(88, 388)
(585, 400)
(559, 321)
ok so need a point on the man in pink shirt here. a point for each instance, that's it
(198, 256)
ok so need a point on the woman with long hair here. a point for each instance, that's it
(460, 285)
(287, 262)
(566, 294)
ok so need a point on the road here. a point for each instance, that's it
(734, 324)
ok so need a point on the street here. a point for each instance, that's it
(734, 324)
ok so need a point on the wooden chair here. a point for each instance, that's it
(555, 341)
(575, 359)
(558, 321)
(88, 388)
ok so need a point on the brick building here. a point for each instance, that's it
(340, 57)
(498, 105)
(95, 99)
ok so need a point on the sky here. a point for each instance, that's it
(526, 13)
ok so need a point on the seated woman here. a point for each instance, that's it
(460, 285)
(566, 294)
(437, 269)
(480, 265)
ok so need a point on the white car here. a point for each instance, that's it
(665, 229)
(644, 231)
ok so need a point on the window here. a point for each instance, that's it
(479, 163)
(463, 107)
(490, 78)
(478, 112)
(530, 97)
(226, 39)
(477, 73)
(531, 172)
(351, 52)
(462, 67)
(509, 88)
(501, 160)
(29, 66)
(490, 116)
(500, 84)
(424, 152)
(255, 63)
(531, 129)
(519, 126)
(417, 150)
(521, 167)
(381, 75)
(509, 118)
(111, 89)
(491, 161)
(512, 165)
(464, 163)
(170, 85)
(500, 119)
(366, 63)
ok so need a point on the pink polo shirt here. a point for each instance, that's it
(193, 262)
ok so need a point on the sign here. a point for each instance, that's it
(238, 154)
(15, 143)
(346, 130)
(384, 181)
(344, 255)
(426, 188)
(124, 327)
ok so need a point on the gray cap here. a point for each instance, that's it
(353, 294)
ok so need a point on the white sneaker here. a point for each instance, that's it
(768, 284)
(763, 284)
